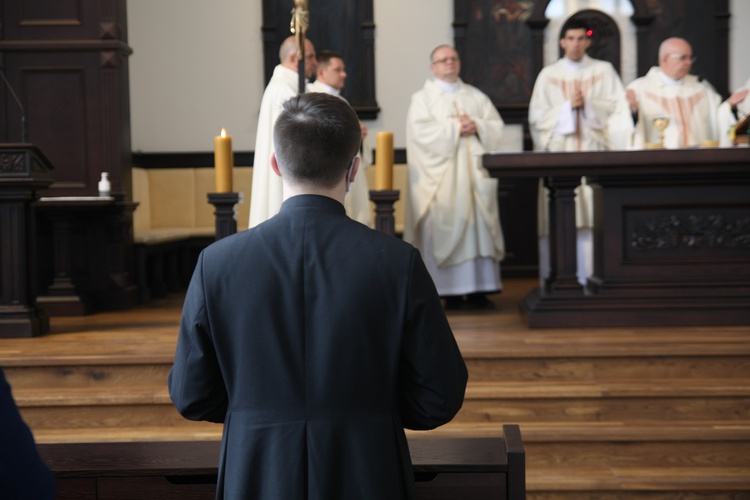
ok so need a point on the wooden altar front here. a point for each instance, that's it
(671, 237)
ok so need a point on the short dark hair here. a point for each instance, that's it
(324, 57)
(573, 24)
(316, 137)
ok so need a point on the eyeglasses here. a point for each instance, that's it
(445, 60)
(683, 58)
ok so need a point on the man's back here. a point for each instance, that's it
(330, 339)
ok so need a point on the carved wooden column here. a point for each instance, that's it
(24, 171)
(226, 223)
(562, 236)
(384, 200)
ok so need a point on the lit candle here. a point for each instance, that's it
(223, 162)
(384, 161)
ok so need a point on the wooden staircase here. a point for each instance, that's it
(647, 413)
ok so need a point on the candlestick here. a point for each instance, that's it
(384, 161)
(223, 162)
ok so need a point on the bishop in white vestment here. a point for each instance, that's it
(691, 104)
(452, 213)
(266, 193)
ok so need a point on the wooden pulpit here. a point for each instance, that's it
(24, 173)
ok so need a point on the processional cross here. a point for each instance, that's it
(298, 27)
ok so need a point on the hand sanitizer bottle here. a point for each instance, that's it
(104, 185)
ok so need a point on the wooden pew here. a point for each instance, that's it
(444, 469)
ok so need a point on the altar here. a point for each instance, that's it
(671, 237)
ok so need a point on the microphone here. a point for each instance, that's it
(24, 131)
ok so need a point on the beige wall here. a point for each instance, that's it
(197, 66)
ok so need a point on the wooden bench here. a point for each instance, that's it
(174, 222)
(444, 469)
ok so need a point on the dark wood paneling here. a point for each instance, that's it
(344, 26)
(63, 19)
(67, 61)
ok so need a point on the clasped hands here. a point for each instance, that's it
(577, 101)
(468, 127)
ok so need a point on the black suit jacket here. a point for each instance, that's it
(23, 474)
(316, 340)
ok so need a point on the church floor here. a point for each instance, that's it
(606, 413)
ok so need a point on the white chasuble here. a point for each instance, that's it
(447, 181)
(603, 123)
(692, 107)
(267, 193)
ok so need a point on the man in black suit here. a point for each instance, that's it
(23, 474)
(313, 338)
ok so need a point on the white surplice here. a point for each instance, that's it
(452, 212)
(691, 105)
(267, 194)
(357, 201)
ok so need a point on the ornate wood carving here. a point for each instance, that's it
(675, 231)
(344, 26)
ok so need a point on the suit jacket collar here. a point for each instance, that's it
(312, 201)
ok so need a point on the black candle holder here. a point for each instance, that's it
(384, 200)
(226, 224)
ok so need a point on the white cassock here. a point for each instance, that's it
(603, 123)
(452, 214)
(727, 119)
(691, 106)
(266, 195)
(357, 201)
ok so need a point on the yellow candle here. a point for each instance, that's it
(384, 161)
(223, 162)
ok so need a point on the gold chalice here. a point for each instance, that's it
(660, 124)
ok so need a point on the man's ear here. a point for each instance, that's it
(275, 165)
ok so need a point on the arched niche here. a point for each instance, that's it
(605, 36)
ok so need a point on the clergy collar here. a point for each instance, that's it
(574, 65)
(329, 89)
(318, 201)
(667, 79)
(448, 87)
(289, 72)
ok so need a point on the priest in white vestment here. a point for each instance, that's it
(691, 104)
(452, 213)
(330, 79)
(578, 104)
(266, 193)
(734, 108)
